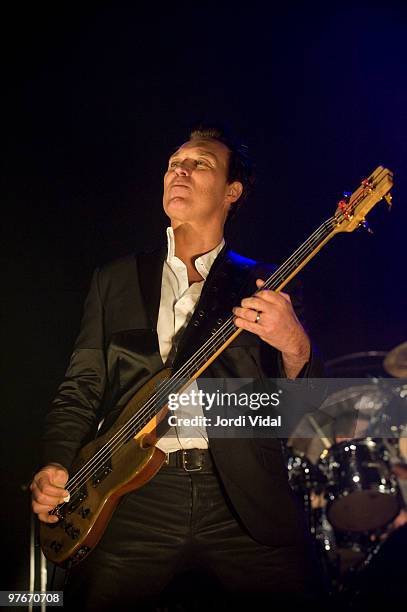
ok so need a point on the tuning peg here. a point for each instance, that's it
(366, 226)
(367, 184)
(388, 198)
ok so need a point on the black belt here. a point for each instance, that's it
(191, 460)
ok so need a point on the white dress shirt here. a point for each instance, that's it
(178, 301)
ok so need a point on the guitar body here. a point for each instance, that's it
(84, 518)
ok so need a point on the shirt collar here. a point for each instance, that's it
(202, 264)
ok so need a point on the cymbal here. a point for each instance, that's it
(340, 411)
(366, 399)
(395, 362)
(363, 364)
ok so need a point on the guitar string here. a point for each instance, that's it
(115, 444)
(129, 426)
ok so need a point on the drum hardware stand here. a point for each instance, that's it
(327, 442)
(38, 563)
(349, 588)
(38, 578)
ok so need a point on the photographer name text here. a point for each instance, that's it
(240, 421)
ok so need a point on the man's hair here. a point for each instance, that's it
(240, 165)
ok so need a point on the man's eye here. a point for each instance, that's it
(197, 162)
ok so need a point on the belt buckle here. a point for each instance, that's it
(184, 464)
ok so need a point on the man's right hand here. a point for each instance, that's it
(48, 491)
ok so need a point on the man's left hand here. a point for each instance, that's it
(277, 324)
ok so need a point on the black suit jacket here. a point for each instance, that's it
(117, 351)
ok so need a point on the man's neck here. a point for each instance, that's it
(191, 242)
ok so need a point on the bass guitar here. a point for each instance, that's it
(125, 457)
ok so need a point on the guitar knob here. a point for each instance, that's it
(388, 197)
(56, 546)
(84, 512)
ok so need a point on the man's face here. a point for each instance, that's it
(195, 185)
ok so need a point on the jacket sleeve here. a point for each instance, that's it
(73, 418)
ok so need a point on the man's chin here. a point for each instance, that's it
(176, 206)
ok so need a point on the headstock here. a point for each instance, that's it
(352, 210)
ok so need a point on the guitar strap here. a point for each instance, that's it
(231, 278)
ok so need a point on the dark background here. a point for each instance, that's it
(94, 97)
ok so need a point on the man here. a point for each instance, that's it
(221, 508)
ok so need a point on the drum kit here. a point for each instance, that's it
(351, 477)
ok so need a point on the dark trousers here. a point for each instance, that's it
(176, 544)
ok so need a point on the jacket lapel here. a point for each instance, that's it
(221, 291)
(150, 267)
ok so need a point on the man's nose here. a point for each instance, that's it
(184, 168)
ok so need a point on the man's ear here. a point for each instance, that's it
(234, 191)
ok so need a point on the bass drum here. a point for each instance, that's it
(363, 494)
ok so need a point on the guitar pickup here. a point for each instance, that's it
(76, 499)
(101, 473)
